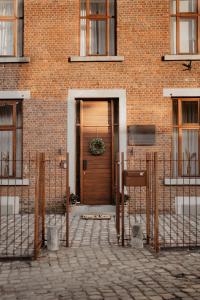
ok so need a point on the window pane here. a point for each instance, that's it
(7, 8)
(190, 152)
(6, 38)
(175, 112)
(175, 151)
(188, 6)
(6, 153)
(83, 8)
(18, 152)
(98, 7)
(97, 38)
(173, 35)
(83, 37)
(190, 111)
(173, 6)
(112, 37)
(19, 114)
(188, 34)
(112, 8)
(6, 114)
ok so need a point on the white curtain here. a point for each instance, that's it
(6, 8)
(6, 153)
(190, 152)
(175, 152)
(6, 28)
(188, 5)
(97, 38)
(188, 30)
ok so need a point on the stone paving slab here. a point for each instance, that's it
(103, 273)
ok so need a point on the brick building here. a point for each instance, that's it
(72, 71)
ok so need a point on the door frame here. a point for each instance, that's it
(73, 94)
(79, 140)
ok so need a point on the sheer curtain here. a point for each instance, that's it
(6, 141)
(6, 28)
(190, 152)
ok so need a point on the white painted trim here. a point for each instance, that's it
(14, 182)
(96, 58)
(181, 57)
(15, 95)
(71, 122)
(181, 92)
(182, 181)
(8, 60)
(187, 205)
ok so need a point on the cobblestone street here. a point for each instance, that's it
(103, 273)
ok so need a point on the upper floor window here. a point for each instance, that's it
(97, 27)
(11, 27)
(185, 26)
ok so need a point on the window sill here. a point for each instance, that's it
(7, 60)
(96, 58)
(181, 57)
(182, 181)
(14, 182)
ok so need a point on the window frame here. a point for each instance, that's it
(97, 17)
(13, 128)
(180, 126)
(187, 15)
(15, 18)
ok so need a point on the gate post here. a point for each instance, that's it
(156, 203)
(122, 198)
(67, 200)
(148, 203)
(117, 195)
(42, 193)
(36, 225)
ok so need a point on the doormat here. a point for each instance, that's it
(96, 217)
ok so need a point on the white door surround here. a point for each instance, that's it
(73, 94)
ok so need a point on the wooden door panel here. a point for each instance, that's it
(97, 179)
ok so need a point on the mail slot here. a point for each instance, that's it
(135, 178)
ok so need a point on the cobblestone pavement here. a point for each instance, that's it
(103, 273)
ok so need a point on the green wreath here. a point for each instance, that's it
(97, 146)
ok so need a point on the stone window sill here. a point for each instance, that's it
(7, 60)
(181, 57)
(96, 58)
(181, 181)
(14, 182)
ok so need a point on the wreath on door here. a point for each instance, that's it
(97, 146)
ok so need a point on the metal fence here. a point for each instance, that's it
(167, 205)
(30, 203)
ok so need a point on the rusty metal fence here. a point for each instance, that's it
(32, 202)
(166, 204)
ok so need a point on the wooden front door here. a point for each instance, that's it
(96, 182)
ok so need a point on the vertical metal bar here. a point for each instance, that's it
(43, 198)
(67, 201)
(148, 206)
(36, 207)
(156, 203)
(117, 199)
(122, 200)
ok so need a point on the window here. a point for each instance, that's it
(11, 27)
(184, 26)
(97, 27)
(186, 125)
(10, 139)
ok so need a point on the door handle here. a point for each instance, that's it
(85, 165)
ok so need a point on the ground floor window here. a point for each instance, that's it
(186, 136)
(10, 139)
